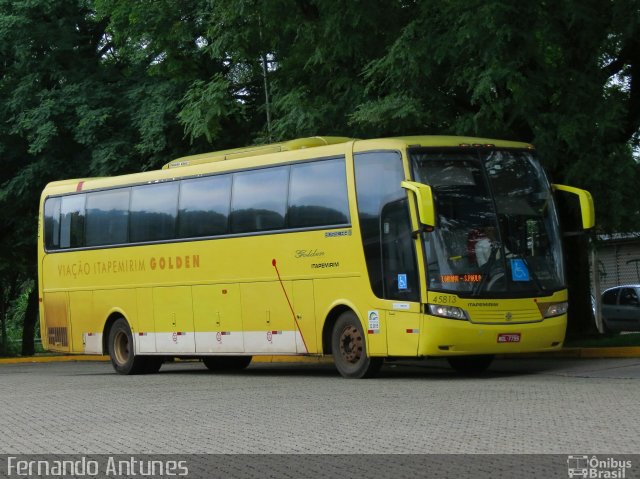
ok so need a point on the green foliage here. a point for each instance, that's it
(206, 107)
(560, 77)
(103, 87)
(12, 310)
(395, 113)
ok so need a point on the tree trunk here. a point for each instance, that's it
(3, 320)
(29, 325)
(7, 293)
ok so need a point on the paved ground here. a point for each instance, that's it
(562, 406)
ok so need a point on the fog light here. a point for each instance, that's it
(451, 312)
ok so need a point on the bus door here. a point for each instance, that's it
(390, 253)
(400, 279)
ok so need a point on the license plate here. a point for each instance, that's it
(509, 338)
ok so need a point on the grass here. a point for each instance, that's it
(14, 347)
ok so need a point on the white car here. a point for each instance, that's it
(621, 308)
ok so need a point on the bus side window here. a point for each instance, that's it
(108, 217)
(259, 199)
(52, 223)
(318, 194)
(204, 206)
(153, 211)
(72, 221)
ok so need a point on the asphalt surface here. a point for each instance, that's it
(523, 406)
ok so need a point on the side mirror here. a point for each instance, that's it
(424, 198)
(586, 204)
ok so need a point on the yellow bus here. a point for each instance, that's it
(426, 246)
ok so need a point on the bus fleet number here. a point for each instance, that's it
(442, 299)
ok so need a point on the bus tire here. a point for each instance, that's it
(349, 347)
(121, 350)
(226, 363)
(471, 365)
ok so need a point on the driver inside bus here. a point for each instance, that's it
(487, 239)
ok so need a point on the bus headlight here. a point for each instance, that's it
(549, 310)
(451, 312)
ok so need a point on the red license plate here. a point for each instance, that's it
(509, 338)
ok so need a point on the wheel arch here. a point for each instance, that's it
(111, 319)
(330, 320)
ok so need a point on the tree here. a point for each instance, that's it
(102, 87)
(72, 106)
(50, 106)
(565, 77)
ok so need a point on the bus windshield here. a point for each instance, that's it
(497, 230)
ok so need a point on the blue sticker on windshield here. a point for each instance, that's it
(519, 270)
(402, 281)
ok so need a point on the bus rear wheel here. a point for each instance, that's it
(226, 363)
(121, 350)
(349, 347)
(471, 365)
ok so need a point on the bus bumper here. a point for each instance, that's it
(449, 337)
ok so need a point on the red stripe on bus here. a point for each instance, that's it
(293, 313)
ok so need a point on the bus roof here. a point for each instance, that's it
(247, 157)
(437, 142)
(235, 153)
(316, 141)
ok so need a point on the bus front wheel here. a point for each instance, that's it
(349, 347)
(121, 350)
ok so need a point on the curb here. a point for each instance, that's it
(53, 359)
(99, 358)
(586, 353)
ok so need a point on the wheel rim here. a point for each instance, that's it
(351, 344)
(121, 347)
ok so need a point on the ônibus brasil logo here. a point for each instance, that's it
(597, 468)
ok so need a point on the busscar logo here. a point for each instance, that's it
(595, 467)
